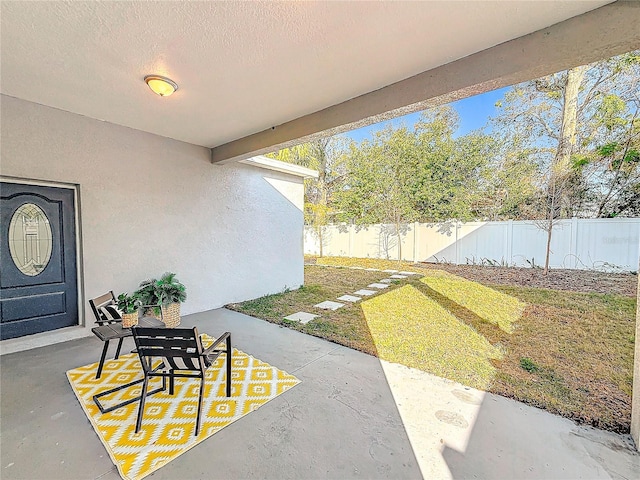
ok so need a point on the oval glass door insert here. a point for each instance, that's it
(30, 239)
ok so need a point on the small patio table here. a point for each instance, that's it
(115, 331)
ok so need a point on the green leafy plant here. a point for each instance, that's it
(128, 303)
(528, 365)
(147, 292)
(163, 291)
(170, 290)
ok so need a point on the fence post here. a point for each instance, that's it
(573, 246)
(456, 244)
(415, 242)
(509, 243)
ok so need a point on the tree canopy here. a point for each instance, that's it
(564, 145)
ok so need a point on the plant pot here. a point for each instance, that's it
(129, 319)
(153, 313)
(171, 315)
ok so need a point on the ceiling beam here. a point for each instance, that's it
(602, 33)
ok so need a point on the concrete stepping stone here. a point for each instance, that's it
(398, 276)
(378, 285)
(302, 317)
(349, 298)
(329, 305)
(407, 273)
(373, 270)
(365, 292)
(390, 271)
(386, 280)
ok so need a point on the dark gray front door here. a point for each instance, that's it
(38, 276)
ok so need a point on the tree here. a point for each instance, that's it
(620, 194)
(612, 169)
(449, 173)
(426, 174)
(569, 119)
(377, 190)
(560, 171)
(510, 182)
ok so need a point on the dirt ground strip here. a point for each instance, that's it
(586, 281)
(562, 279)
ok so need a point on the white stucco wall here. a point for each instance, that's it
(149, 204)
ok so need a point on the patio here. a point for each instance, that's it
(79, 120)
(352, 416)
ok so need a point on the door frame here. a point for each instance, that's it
(78, 240)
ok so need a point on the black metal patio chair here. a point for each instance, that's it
(105, 309)
(180, 354)
(109, 320)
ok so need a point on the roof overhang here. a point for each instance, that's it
(278, 166)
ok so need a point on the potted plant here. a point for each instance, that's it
(167, 293)
(128, 305)
(146, 293)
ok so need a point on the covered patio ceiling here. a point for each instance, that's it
(257, 76)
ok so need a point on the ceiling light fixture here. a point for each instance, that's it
(163, 86)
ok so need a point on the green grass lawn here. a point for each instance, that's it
(570, 353)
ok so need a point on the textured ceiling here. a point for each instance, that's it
(241, 67)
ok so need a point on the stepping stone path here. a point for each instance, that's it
(302, 317)
(328, 305)
(364, 292)
(349, 298)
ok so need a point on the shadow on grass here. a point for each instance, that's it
(413, 329)
(486, 303)
(484, 327)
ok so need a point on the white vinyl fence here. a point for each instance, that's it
(601, 244)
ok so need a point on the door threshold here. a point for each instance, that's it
(43, 339)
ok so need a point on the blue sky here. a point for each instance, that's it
(473, 111)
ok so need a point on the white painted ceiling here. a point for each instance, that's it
(241, 67)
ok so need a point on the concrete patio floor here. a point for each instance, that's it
(352, 416)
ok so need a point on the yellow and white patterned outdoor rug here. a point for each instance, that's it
(168, 424)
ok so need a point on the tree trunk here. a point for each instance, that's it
(399, 243)
(567, 142)
(561, 166)
(550, 221)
